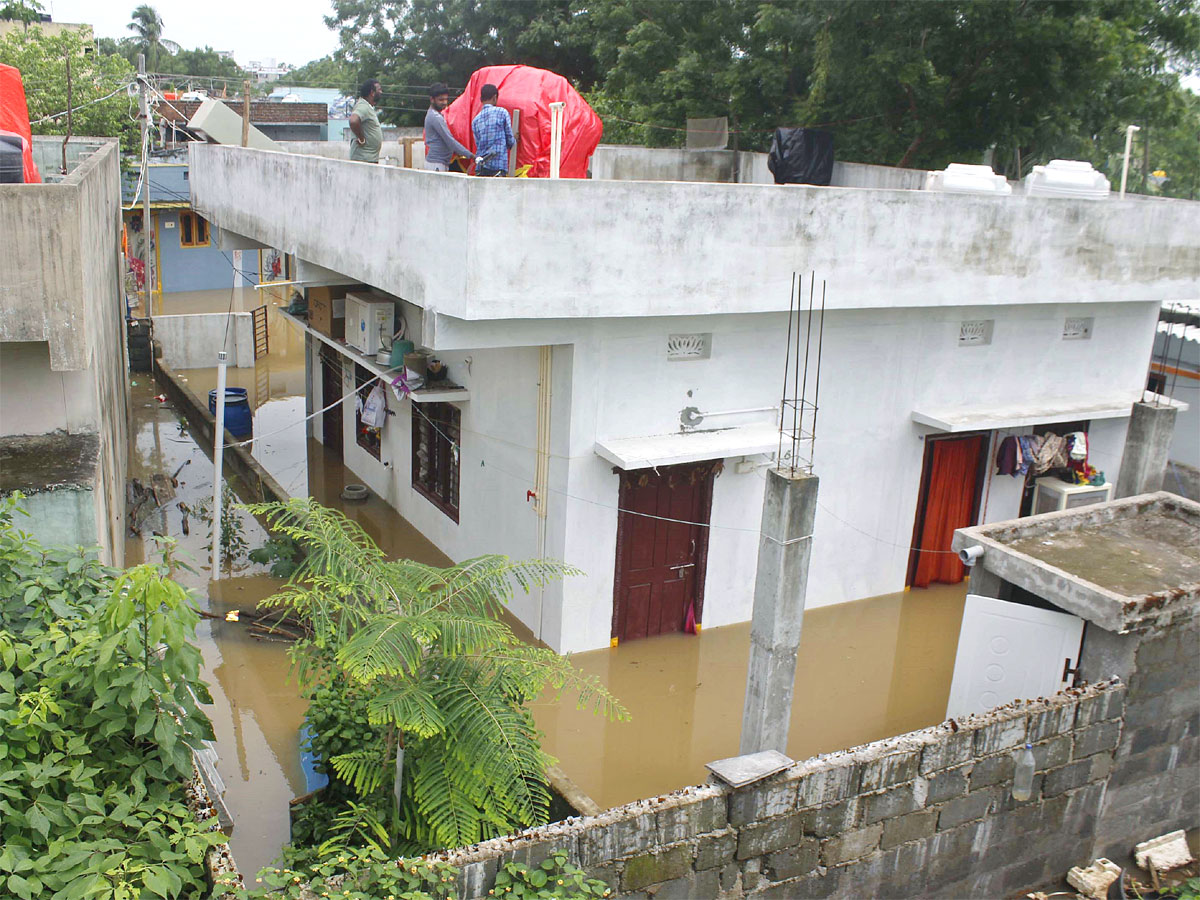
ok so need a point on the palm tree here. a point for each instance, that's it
(147, 24)
(444, 681)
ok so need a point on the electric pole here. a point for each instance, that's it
(147, 225)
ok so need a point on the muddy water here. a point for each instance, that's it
(256, 711)
(868, 670)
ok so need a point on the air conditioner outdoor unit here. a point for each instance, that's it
(1051, 494)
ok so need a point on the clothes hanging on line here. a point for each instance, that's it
(1007, 457)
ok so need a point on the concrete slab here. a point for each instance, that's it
(1117, 564)
(35, 464)
(739, 771)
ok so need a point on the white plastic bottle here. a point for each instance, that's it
(1022, 788)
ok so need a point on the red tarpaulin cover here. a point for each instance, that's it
(14, 117)
(532, 91)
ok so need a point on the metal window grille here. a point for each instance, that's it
(436, 433)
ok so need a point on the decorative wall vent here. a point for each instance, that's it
(1078, 328)
(975, 332)
(689, 346)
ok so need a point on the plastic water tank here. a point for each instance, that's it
(12, 160)
(238, 419)
(1067, 178)
(960, 178)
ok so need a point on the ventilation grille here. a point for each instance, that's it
(682, 347)
(975, 332)
(1077, 328)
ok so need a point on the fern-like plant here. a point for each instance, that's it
(446, 680)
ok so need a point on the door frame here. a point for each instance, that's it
(330, 364)
(715, 466)
(923, 491)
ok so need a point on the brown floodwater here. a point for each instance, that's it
(867, 670)
(256, 710)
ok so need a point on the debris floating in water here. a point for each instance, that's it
(232, 615)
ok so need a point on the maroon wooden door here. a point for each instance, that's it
(331, 391)
(662, 547)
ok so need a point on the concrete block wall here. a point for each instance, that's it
(925, 814)
(1155, 779)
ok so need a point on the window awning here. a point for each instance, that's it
(689, 446)
(986, 418)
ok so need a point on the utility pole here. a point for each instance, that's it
(246, 112)
(70, 101)
(780, 586)
(147, 225)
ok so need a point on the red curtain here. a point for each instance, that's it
(949, 504)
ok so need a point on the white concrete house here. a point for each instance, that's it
(583, 318)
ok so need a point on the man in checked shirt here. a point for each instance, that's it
(493, 135)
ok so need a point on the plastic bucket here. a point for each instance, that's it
(239, 421)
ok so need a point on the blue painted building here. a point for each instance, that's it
(183, 248)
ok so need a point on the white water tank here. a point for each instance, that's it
(960, 178)
(1067, 178)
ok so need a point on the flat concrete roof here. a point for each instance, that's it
(35, 464)
(1118, 564)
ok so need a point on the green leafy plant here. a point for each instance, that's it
(234, 545)
(365, 873)
(555, 877)
(450, 750)
(280, 553)
(99, 714)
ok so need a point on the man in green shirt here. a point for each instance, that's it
(364, 122)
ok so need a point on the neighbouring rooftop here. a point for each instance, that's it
(35, 464)
(1117, 564)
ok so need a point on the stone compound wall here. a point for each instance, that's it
(925, 814)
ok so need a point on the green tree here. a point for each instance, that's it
(99, 715)
(202, 63)
(328, 71)
(442, 680)
(147, 27)
(26, 11)
(41, 59)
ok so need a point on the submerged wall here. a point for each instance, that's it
(192, 341)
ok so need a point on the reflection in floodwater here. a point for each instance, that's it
(867, 670)
(256, 711)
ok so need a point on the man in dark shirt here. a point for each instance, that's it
(440, 145)
(492, 128)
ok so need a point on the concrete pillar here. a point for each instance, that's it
(984, 583)
(784, 549)
(1147, 442)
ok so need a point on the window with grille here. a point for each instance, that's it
(435, 442)
(193, 230)
(370, 439)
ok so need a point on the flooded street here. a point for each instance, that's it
(867, 670)
(256, 711)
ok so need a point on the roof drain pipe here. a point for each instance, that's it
(541, 476)
(557, 112)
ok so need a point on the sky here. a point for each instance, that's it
(291, 31)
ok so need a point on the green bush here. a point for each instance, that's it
(554, 878)
(99, 692)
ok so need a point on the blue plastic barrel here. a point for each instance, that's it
(239, 421)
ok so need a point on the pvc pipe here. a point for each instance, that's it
(541, 484)
(1129, 130)
(556, 137)
(218, 458)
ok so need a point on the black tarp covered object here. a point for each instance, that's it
(801, 156)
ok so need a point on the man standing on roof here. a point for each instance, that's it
(440, 145)
(493, 135)
(364, 122)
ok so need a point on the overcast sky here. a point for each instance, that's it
(291, 31)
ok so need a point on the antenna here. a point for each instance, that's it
(798, 408)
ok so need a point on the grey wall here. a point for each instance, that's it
(928, 814)
(59, 285)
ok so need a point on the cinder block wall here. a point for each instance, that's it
(926, 814)
(1155, 782)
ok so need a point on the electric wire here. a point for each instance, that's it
(74, 109)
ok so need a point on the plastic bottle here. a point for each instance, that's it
(1022, 788)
